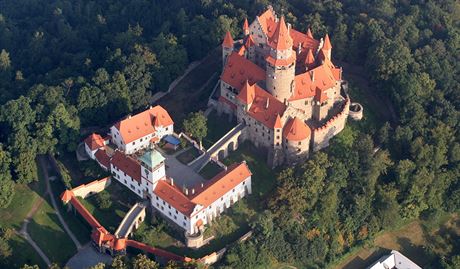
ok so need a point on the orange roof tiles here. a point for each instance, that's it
(281, 39)
(309, 34)
(94, 141)
(263, 113)
(327, 43)
(85, 213)
(247, 93)
(245, 24)
(228, 40)
(296, 130)
(281, 62)
(310, 59)
(142, 124)
(239, 69)
(127, 164)
(174, 196)
(306, 84)
(267, 21)
(222, 183)
(66, 196)
(278, 124)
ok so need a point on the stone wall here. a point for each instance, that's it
(91, 188)
(335, 125)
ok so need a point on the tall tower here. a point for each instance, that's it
(227, 47)
(327, 47)
(281, 63)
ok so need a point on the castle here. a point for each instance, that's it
(281, 83)
(128, 153)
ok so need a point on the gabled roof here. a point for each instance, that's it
(267, 22)
(102, 157)
(228, 40)
(174, 196)
(265, 107)
(142, 124)
(306, 83)
(327, 43)
(239, 69)
(278, 124)
(281, 39)
(222, 183)
(94, 141)
(296, 130)
(127, 164)
(247, 93)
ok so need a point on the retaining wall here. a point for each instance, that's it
(91, 188)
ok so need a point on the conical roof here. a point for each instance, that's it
(247, 93)
(228, 40)
(309, 34)
(281, 39)
(245, 25)
(296, 130)
(327, 43)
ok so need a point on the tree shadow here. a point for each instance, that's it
(359, 262)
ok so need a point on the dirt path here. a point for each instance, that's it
(43, 162)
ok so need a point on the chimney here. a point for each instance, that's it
(225, 168)
(299, 48)
(172, 182)
(193, 191)
(289, 26)
(267, 103)
(186, 191)
(312, 75)
(150, 107)
(129, 116)
(202, 184)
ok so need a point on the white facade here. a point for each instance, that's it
(394, 261)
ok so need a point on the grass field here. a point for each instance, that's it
(188, 155)
(46, 231)
(23, 253)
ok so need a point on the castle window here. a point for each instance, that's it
(277, 137)
(277, 143)
(300, 143)
(298, 150)
(183, 224)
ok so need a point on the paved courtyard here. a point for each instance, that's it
(87, 257)
(182, 174)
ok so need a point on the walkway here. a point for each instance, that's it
(201, 161)
(53, 201)
(86, 257)
(129, 220)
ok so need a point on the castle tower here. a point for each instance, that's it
(327, 47)
(281, 63)
(310, 60)
(227, 47)
(246, 27)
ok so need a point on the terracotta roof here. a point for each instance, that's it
(245, 24)
(301, 38)
(142, 124)
(228, 40)
(85, 213)
(306, 83)
(278, 124)
(127, 164)
(320, 96)
(310, 59)
(66, 196)
(327, 43)
(267, 21)
(102, 157)
(239, 69)
(281, 39)
(94, 141)
(156, 251)
(174, 196)
(120, 244)
(247, 93)
(226, 101)
(259, 110)
(222, 183)
(281, 62)
(296, 130)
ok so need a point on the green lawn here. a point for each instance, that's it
(188, 155)
(46, 231)
(210, 170)
(218, 126)
(23, 253)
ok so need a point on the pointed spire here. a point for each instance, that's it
(327, 43)
(247, 93)
(309, 34)
(281, 39)
(278, 122)
(246, 27)
(228, 40)
(310, 59)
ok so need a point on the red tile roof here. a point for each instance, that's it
(327, 43)
(228, 40)
(239, 69)
(310, 59)
(102, 157)
(281, 39)
(259, 110)
(142, 124)
(309, 34)
(247, 93)
(222, 183)
(278, 124)
(94, 141)
(281, 62)
(296, 130)
(127, 165)
(306, 84)
(267, 21)
(174, 196)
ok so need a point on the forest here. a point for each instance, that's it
(69, 65)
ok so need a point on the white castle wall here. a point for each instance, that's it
(91, 188)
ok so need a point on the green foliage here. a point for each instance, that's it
(196, 125)
(103, 200)
(143, 262)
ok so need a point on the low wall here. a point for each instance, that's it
(91, 188)
(332, 127)
(213, 257)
